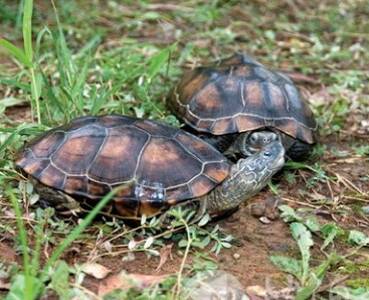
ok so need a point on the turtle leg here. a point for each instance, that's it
(296, 149)
(299, 151)
(63, 203)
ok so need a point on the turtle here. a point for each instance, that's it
(238, 105)
(155, 166)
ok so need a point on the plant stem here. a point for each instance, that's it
(35, 93)
(179, 277)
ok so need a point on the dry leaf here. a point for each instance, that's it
(7, 253)
(256, 290)
(165, 252)
(125, 281)
(95, 270)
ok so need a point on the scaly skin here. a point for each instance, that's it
(246, 178)
(249, 143)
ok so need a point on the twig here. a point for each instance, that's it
(332, 284)
(179, 277)
(298, 202)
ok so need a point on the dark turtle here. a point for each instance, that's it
(238, 105)
(156, 165)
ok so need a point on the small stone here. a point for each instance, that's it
(129, 257)
(236, 256)
(257, 209)
(264, 220)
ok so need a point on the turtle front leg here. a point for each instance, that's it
(63, 203)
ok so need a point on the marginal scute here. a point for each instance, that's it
(150, 208)
(97, 189)
(127, 207)
(223, 126)
(190, 84)
(36, 166)
(76, 184)
(246, 123)
(178, 194)
(200, 185)
(217, 172)
(52, 177)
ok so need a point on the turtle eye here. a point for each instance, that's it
(267, 153)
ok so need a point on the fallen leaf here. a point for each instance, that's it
(165, 252)
(95, 270)
(257, 290)
(7, 253)
(125, 281)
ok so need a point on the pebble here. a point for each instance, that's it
(264, 220)
(236, 256)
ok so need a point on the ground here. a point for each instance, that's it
(125, 57)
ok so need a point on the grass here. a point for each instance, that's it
(124, 57)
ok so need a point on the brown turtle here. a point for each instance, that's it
(238, 105)
(156, 165)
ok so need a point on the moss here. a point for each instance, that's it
(354, 267)
(358, 283)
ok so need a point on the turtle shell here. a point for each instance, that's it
(156, 165)
(239, 94)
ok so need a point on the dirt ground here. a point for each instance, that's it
(257, 229)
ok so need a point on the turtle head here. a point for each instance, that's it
(253, 142)
(247, 178)
(262, 165)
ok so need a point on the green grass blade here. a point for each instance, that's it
(158, 61)
(27, 29)
(16, 52)
(18, 22)
(14, 83)
(23, 242)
